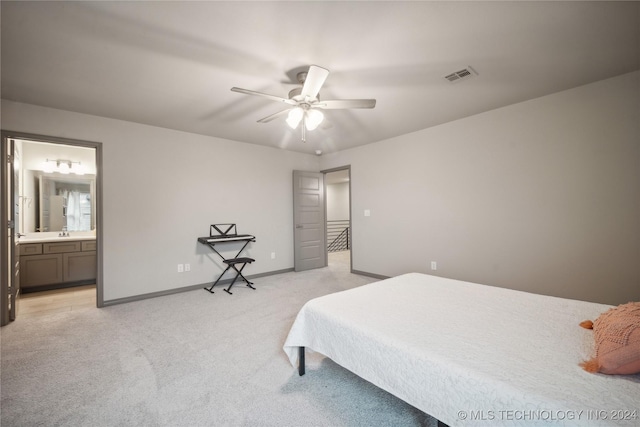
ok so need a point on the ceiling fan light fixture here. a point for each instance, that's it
(294, 117)
(305, 101)
(313, 119)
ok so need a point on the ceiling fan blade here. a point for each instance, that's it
(264, 95)
(339, 104)
(273, 116)
(314, 81)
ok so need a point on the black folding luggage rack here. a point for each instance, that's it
(226, 233)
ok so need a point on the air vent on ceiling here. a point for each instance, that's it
(464, 74)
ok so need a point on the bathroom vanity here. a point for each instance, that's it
(54, 262)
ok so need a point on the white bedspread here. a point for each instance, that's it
(469, 354)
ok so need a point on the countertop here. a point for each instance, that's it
(54, 237)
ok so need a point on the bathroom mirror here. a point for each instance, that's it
(63, 202)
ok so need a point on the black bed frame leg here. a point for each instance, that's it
(301, 361)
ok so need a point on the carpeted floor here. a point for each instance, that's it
(189, 359)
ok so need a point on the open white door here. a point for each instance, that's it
(308, 217)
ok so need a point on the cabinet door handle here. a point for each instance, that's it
(299, 226)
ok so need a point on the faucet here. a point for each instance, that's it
(64, 232)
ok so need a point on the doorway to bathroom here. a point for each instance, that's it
(52, 205)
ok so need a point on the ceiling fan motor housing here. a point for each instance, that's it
(296, 94)
(302, 76)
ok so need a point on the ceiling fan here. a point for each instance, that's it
(305, 103)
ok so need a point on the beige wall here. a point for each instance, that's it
(163, 188)
(338, 202)
(541, 196)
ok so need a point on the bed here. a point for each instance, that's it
(466, 353)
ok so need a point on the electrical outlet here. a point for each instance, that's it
(434, 265)
(187, 267)
(273, 255)
(180, 268)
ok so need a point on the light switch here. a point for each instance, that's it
(367, 212)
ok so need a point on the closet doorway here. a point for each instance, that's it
(338, 216)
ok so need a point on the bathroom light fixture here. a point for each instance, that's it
(63, 166)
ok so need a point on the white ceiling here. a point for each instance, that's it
(172, 64)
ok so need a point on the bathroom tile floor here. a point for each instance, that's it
(43, 303)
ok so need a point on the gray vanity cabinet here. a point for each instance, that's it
(78, 266)
(57, 263)
(38, 270)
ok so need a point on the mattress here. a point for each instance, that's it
(469, 354)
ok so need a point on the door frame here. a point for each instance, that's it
(97, 146)
(326, 252)
(8, 248)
